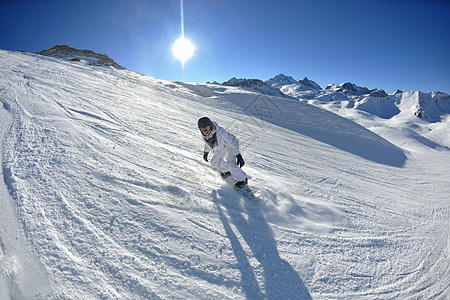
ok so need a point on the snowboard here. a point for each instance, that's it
(245, 191)
(248, 193)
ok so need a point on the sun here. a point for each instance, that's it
(183, 49)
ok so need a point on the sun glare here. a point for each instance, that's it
(183, 49)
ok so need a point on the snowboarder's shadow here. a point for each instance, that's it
(280, 279)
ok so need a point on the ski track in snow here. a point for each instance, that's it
(112, 199)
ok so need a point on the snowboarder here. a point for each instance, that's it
(226, 158)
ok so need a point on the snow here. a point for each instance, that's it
(106, 194)
(282, 81)
(255, 85)
(21, 275)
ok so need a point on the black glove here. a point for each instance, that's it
(205, 156)
(239, 160)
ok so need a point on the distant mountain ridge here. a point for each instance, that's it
(353, 89)
(255, 84)
(427, 106)
(71, 54)
(282, 80)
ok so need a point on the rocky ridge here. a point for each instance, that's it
(71, 54)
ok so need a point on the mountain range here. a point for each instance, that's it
(427, 106)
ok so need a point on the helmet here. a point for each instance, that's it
(203, 122)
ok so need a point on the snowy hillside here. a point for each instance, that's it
(105, 194)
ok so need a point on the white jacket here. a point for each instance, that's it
(226, 142)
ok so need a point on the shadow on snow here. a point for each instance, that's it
(281, 281)
(323, 126)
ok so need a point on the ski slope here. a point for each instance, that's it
(105, 194)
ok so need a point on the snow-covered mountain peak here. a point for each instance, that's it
(348, 88)
(71, 54)
(282, 80)
(310, 83)
(244, 82)
(380, 93)
(254, 84)
(430, 107)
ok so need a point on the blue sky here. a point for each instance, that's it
(389, 44)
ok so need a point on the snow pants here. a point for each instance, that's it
(226, 162)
